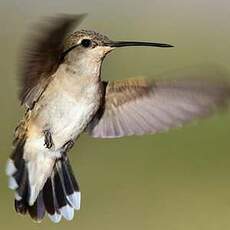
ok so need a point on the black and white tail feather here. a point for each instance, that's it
(59, 196)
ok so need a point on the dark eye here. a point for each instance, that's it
(86, 43)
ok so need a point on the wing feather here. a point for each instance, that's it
(43, 55)
(137, 107)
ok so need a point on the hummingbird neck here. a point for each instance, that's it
(86, 66)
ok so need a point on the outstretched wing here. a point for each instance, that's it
(136, 107)
(42, 56)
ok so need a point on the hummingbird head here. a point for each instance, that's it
(87, 42)
(88, 48)
(98, 45)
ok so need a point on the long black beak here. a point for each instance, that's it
(136, 43)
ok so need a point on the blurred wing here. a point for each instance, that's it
(42, 56)
(136, 107)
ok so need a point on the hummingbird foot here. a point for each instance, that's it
(67, 146)
(48, 139)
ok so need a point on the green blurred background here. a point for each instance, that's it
(173, 181)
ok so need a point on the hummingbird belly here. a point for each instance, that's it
(65, 116)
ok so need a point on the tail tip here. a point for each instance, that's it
(10, 168)
(67, 212)
(75, 200)
(10, 171)
(56, 217)
(12, 184)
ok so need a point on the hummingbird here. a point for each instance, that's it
(64, 96)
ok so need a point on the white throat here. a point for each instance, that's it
(86, 63)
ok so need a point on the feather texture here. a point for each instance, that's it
(137, 107)
(42, 57)
(59, 196)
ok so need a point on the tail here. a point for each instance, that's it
(59, 196)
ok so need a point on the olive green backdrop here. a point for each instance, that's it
(178, 180)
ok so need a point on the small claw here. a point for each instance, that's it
(48, 139)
